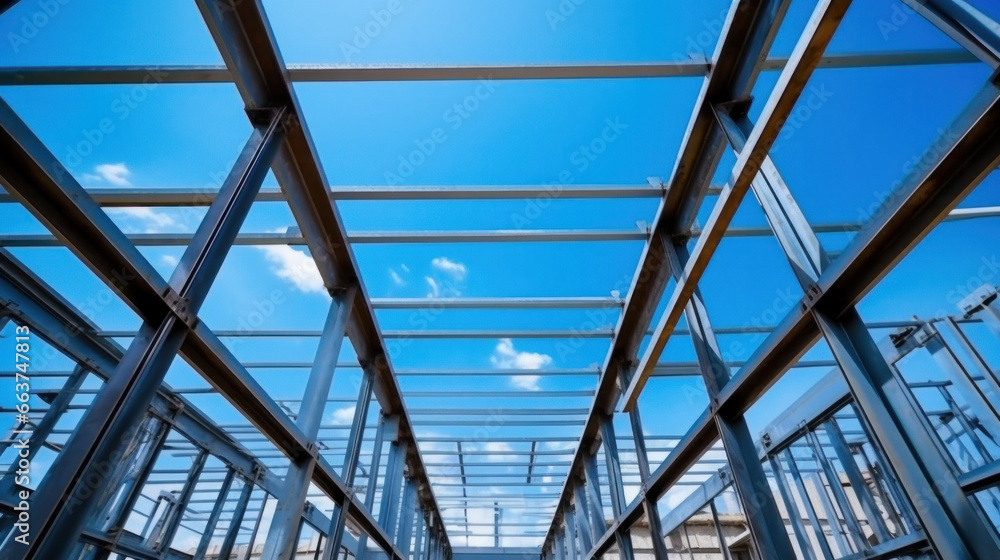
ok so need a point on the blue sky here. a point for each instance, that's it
(850, 140)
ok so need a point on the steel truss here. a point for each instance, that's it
(133, 414)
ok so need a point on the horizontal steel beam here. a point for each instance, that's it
(188, 197)
(749, 329)
(92, 75)
(263, 239)
(497, 303)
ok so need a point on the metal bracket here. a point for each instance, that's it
(261, 116)
(176, 405)
(737, 108)
(724, 474)
(811, 296)
(179, 306)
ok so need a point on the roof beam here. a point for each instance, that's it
(746, 38)
(332, 73)
(248, 47)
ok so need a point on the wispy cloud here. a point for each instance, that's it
(396, 278)
(435, 288)
(505, 356)
(454, 269)
(143, 220)
(295, 267)
(116, 174)
(343, 415)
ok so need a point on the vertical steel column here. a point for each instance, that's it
(65, 500)
(256, 528)
(723, 545)
(385, 424)
(794, 517)
(560, 546)
(418, 546)
(215, 515)
(763, 517)
(950, 520)
(642, 458)
(583, 527)
(616, 486)
(283, 533)
(992, 394)
(183, 500)
(569, 527)
(239, 512)
(832, 516)
(800, 485)
(946, 359)
(854, 476)
(44, 427)
(858, 538)
(496, 524)
(404, 536)
(338, 520)
(435, 548)
(389, 508)
(595, 508)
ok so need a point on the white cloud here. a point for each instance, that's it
(343, 415)
(169, 260)
(295, 267)
(115, 173)
(526, 382)
(505, 356)
(435, 289)
(404, 268)
(502, 452)
(396, 278)
(456, 270)
(143, 220)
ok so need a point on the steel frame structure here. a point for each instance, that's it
(130, 417)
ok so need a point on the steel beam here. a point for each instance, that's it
(616, 486)
(282, 537)
(352, 456)
(189, 197)
(333, 73)
(817, 34)
(214, 515)
(968, 26)
(359, 238)
(41, 183)
(746, 38)
(948, 515)
(250, 52)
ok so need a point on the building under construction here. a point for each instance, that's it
(500, 280)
